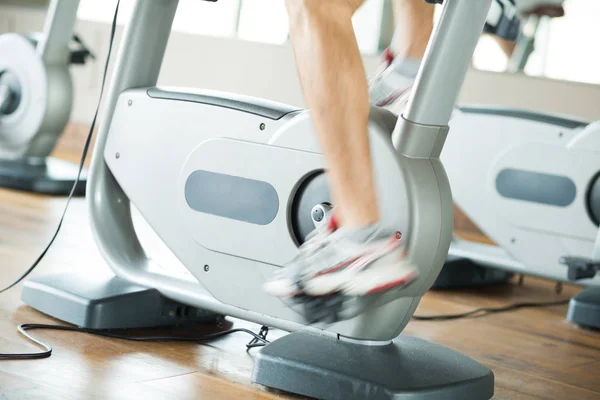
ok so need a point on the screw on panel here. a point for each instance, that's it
(262, 126)
(129, 102)
(560, 134)
(513, 240)
(206, 268)
(117, 156)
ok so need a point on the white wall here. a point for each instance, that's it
(268, 71)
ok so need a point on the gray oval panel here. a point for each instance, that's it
(536, 187)
(232, 197)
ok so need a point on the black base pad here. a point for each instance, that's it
(464, 273)
(107, 303)
(584, 308)
(53, 177)
(409, 368)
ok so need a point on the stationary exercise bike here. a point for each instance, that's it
(229, 183)
(535, 191)
(540, 174)
(36, 96)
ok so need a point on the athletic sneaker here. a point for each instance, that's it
(392, 84)
(348, 262)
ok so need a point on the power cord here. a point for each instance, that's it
(480, 312)
(86, 148)
(259, 339)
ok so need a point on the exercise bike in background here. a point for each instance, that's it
(531, 182)
(36, 96)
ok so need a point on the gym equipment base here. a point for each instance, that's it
(107, 303)
(584, 309)
(52, 177)
(459, 272)
(408, 368)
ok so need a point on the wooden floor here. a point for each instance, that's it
(534, 353)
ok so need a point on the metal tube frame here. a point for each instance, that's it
(58, 31)
(446, 61)
(525, 45)
(138, 65)
(596, 251)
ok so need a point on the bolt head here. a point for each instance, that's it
(318, 214)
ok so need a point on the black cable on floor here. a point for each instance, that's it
(259, 339)
(86, 148)
(480, 312)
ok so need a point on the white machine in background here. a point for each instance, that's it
(36, 96)
(530, 182)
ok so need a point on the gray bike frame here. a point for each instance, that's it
(58, 31)
(419, 134)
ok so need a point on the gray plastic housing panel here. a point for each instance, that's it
(232, 197)
(536, 187)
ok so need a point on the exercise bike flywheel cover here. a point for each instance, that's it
(23, 72)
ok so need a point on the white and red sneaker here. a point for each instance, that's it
(394, 81)
(348, 262)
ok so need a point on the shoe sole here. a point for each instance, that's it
(369, 281)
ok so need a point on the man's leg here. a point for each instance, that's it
(507, 46)
(361, 257)
(414, 24)
(335, 87)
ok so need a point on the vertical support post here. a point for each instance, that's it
(596, 251)
(138, 64)
(525, 46)
(388, 26)
(58, 30)
(447, 59)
